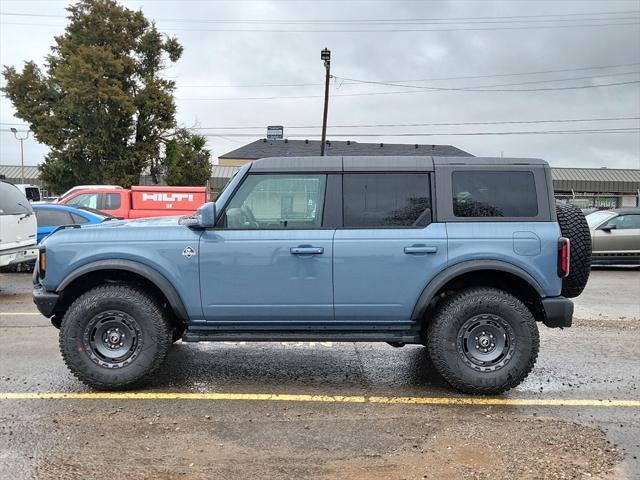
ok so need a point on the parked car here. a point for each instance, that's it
(51, 216)
(615, 236)
(17, 227)
(87, 187)
(32, 192)
(462, 255)
(140, 201)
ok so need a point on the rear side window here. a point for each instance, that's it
(494, 194)
(379, 200)
(48, 217)
(110, 201)
(79, 219)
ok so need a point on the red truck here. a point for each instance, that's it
(141, 201)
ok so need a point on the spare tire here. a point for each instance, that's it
(574, 226)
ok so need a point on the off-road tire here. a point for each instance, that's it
(155, 333)
(178, 331)
(449, 361)
(574, 226)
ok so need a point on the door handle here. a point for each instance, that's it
(419, 249)
(306, 250)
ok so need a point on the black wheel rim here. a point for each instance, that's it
(112, 339)
(486, 342)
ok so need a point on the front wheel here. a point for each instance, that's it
(114, 336)
(483, 340)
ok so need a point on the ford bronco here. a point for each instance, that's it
(462, 255)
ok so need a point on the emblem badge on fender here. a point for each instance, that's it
(188, 252)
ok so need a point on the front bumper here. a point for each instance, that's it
(558, 312)
(45, 301)
(17, 255)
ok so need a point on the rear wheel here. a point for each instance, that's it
(483, 341)
(114, 336)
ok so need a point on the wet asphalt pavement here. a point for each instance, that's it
(243, 437)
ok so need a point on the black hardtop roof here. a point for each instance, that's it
(380, 163)
(264, 148)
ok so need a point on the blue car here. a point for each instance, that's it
(51, 216)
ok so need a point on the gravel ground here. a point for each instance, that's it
(200, 439)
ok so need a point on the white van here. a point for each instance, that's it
(32, 192)
(18, 227)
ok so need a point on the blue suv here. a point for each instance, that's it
(462, 255)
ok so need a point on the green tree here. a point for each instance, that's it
(101, 104)
(186, 160)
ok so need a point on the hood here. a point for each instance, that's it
(118, 231)
(138, 222)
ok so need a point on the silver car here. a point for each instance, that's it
(615, 235)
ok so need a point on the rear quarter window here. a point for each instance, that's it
(496, 194)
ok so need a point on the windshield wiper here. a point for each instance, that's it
(27, 214)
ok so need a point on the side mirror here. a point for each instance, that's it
(607, 228)
(205, 217)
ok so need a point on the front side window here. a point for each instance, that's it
(85, 200)
(277, 201)
(494, 194)
(32, 194)
(597, 218)
(379, 200)
(624, 222)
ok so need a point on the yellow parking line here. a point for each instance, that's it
(24, 314)
(552, 402)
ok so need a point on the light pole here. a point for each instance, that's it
(325, 55)
(22, 139)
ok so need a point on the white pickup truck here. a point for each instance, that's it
(18, 227)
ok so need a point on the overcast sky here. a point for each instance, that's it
(475, 40)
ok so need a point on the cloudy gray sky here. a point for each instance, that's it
(236, 53)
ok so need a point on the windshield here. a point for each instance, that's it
(13, 201)
(596, 218)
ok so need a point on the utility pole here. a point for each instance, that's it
(325, 55)
(22, 139)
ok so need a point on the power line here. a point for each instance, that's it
(385, 125)
(495, 19)
(451, 134)
(530, 82)
(425, 90)
(395, 30)
(433, 79)
(441, 124)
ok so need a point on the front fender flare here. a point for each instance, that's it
(461, 268)
(141, 269)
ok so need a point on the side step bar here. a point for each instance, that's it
(302, 336)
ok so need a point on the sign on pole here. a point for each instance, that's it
(275, 132)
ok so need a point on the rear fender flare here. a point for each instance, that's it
(448, 274)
